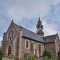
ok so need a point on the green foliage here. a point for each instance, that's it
(29, 56)
(1, 54)
(58, 53)
(47, 54)
(54, 56)
(35, 56)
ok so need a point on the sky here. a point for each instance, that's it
(27, 12)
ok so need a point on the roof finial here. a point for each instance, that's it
(12, 21)
(57, 33)
(39, 21)
(39, 18)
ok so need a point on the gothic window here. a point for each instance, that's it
(27, 44)
(11, 35)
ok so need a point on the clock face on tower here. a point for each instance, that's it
(11, 35)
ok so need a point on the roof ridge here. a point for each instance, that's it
(30, 34)
(50, 35)
(26, 29)
(49, 38)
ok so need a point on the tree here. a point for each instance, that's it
(58, 53)
(1, 54)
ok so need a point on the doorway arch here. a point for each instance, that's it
(9, 50)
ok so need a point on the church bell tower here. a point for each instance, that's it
(39, 27)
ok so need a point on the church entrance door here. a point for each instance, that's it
(9, 50)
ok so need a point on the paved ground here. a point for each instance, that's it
(4, 58)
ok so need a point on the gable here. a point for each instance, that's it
(50, 39)
(12, 26)
(12, 31)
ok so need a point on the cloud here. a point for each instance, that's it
(49, 29)
(17, 10)
(27, 12)
(20, 9)
(52, 20)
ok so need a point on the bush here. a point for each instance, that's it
(58, 53)
(54, 56)
(29, 56)
(1, 54)
(35, 56)
(47, 53)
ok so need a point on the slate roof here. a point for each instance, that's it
(49, 39)
(29, 34)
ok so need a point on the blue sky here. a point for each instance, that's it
(27, 12)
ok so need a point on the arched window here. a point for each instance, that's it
(26, 44)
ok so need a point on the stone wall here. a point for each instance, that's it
(57, 43)
(36, 48)
(51, 47)
(6, 42)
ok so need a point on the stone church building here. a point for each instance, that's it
(18, 40)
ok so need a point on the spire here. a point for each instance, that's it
(39, 27)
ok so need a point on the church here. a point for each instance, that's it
(18, 40)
